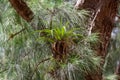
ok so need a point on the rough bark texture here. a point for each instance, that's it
(104, 23)
(22, 9)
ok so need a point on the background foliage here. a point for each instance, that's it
(25, 52)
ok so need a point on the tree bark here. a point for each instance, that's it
(104, 23)
(22, 9)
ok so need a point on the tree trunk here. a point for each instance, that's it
(104, 23)
(22, 9)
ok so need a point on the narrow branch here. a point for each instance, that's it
(37, 65)
(92, 23)
(13, 35)
(118, 15)
(79, 3)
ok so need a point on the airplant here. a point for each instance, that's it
(62, 40)
(68, 49)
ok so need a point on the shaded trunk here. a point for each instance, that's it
(104, 23)
(22, 9)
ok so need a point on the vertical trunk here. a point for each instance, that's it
(104, 23)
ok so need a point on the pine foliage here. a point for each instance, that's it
(54, 46)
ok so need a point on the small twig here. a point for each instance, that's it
(37, 65)
(13, 35)
(118, 15)
(91, 24)
(117, 18)
(78, 4)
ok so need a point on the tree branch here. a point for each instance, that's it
(13, 35)
(37, 65)
(22, 9)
